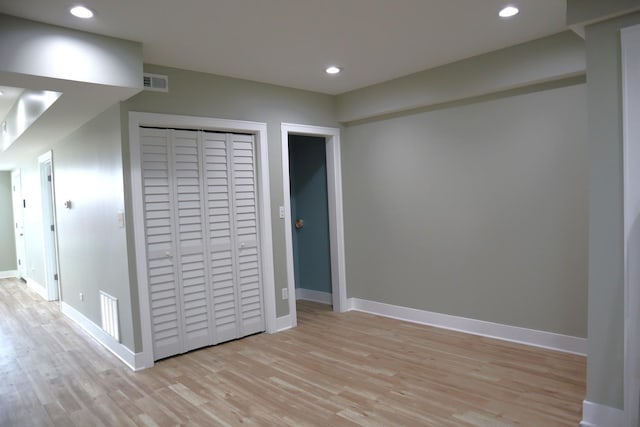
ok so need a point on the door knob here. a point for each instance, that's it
(299, 223)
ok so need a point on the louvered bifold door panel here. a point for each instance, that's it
(224, 298)
(246, 234)
(191, 239)
(162, 275)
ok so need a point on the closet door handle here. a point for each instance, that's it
(168, 254)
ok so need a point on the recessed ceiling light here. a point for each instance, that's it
(508, 12)
(1, 93)
(81, 12)
(333, 70)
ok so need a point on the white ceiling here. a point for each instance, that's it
(290, 42)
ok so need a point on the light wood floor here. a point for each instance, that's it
(349, 369)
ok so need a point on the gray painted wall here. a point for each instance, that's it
(92, 248)
(546, 59)
(7, 236)
(605, 370)
(476, 211)
(583, 11)
(199, 94)
(83, 57)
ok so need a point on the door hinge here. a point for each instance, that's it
(52, 228)
(55, 276)
(49, 178)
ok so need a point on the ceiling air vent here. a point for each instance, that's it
(155, 82)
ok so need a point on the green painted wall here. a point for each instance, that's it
(605, 370)
(538, 61)
(7, 236)
(93, 249)
(477, 210)
(582, 11)
(308, 178)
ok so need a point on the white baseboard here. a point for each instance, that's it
(128, 357)
(550, 340)
(315, 296)
(596, 415)
(38, 288)
(283, 323)
(9, 273)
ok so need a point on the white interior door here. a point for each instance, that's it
(49, 227)
(162, 275)
(18, 222)
(192, 261)
(219, 217)
(245, 217)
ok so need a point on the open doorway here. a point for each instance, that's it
(329, 140)
(310, 216)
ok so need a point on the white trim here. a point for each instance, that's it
(136, 120)
(314, 296)
(8, 274)
(630, 57)
(549, 340)
(336, 218)
(283, 323)
(596, 415)
(127, 356)
(37, 288)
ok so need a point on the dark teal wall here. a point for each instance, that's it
(308, 177)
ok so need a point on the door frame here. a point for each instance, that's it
(144, 359)
(50, 239)
(336, 216)
(21, 250)
(630, 65)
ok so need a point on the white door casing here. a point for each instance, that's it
(261, 192)
(336, 221)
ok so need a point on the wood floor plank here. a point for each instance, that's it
(350, 369)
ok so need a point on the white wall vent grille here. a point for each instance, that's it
(109, 310)
(155, 82)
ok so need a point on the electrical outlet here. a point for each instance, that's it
(285, 293)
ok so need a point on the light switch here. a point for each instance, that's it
(281, 212)
(120, 219)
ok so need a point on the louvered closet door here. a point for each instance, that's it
(224, 296)
(245, 202)
(191, 239)
(201, 226)
(162, 275)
